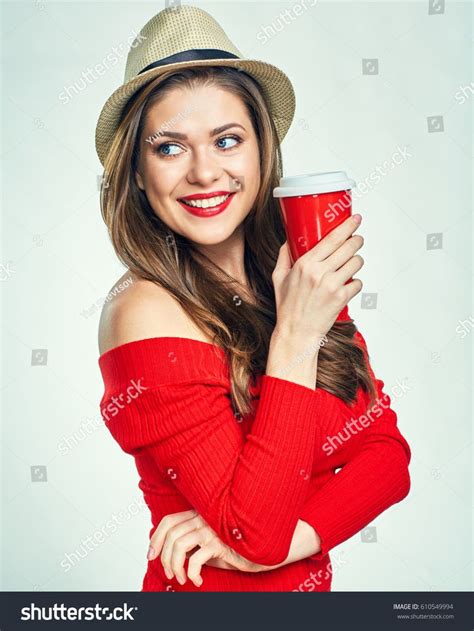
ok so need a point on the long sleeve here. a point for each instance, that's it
(251, 491)
(374, 479)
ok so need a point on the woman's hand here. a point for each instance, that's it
(177, 537)
(310, 294)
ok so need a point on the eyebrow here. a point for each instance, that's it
(179, 136)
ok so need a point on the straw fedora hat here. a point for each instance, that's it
(180, 37)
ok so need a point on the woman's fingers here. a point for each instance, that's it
(343, 253)
(168, 522)
(186, 535)
(187, 542)
(185, 527)
(197, 560)
(350, 268)
(283, 264)
(332, 240)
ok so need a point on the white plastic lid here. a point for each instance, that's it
(313, 183)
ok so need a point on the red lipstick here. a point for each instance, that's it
(210, 211)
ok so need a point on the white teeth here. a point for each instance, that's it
(206, 203)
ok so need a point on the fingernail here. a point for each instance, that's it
(357, 218)
(181, 580)
(151, 553)
(199, 582)
(169, 573)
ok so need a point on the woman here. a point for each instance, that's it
(234, 379)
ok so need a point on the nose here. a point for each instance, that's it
(204, 169)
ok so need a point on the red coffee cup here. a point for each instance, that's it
(312, 205)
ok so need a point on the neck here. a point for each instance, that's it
(229, 256)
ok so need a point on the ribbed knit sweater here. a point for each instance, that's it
(167, 403)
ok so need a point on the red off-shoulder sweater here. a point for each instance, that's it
(167, 403)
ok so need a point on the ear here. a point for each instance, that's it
(139, 181)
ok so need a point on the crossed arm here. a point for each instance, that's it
(178, 535)
(252, 493)
(374, 479)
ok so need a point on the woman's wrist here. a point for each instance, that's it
(293, 359)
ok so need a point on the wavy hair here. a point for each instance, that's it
(152, 251)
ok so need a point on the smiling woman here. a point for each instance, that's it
(237, 393)
(226, 152)
(178, 171)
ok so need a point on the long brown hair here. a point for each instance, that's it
(152, 251)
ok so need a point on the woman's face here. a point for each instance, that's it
(195, 143)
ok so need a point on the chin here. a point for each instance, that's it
(214, 234)
(211, 238)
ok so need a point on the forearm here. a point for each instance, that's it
(305, 543)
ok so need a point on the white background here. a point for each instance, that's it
(57, 262)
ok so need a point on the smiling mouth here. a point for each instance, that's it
(210, 202)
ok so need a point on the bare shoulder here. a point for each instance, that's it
(142, 310)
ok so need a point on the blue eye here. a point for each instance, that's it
(225, 138)
(164, 149)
